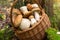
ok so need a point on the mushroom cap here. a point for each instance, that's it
(31, 16)
(23, 8)
(17, 20)
(29, 6)
(35, 6)
(16, 11)
(35, 9)
(25, 24)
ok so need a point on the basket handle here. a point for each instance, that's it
(11, 12)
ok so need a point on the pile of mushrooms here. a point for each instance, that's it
(26, 17)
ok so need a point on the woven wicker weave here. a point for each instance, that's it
(37, 31)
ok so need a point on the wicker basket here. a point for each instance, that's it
(37, 31)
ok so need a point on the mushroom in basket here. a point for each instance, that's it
(33, 21)
(32, 6)
(37, 16)
(25, 24)
(29, 6)
(36, 12)
(17, 20)
(25, 11)
(35, 6)
(17, 17)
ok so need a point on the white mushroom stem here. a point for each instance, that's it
(33, 21)
(37, 16)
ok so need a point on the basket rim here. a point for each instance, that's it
(23, 31)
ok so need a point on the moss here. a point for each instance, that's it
(52, 34)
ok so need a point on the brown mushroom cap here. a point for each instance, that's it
(17, 20)
(31, 16)
(35, 9)
(16, 11)
(13, 18)
(29, 6)
(27, 14)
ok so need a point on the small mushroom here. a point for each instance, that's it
(25, 24)
(33, 21)
(36, 12)
(29, 6)
(35, 6)
(25, 11)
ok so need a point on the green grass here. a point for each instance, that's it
(52, 34)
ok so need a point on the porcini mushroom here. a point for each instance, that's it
(35, 6)
(16, 17)
(25, 24)
(36, 12)
(29, 6)
(25, 11)
(33, 21)
(17, 20)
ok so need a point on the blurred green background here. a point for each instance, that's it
(56, 17)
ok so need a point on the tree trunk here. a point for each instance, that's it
(49, 7)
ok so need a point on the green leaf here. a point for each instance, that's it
(2, 16)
